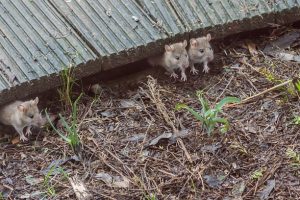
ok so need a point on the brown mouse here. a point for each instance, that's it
(20, 115)
(175, 57)
(200, 51)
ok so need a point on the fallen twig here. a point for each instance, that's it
(79, 188)
(260, 94)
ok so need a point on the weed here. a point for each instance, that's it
(296, 84)
(150, 197)
(257, 174)
(269, 75)
(50, 190)
(47, 184)
(239, 147)
(65, 93)
(72, 137)
(209, 116)
(294, 156)
(296, 120)
(1, 196)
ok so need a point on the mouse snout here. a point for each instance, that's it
(210, 57)
(38, 120)
(186, 64)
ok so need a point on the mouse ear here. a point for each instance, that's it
(193, 42)
(21, 108)
(208, 37)
(184, 43)
(36, 100)
(169, 48)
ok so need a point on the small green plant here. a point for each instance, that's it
(1, 196)
(47, 183)
(150, 197)
(296, 120)
(209, 116)
(50, 190)
(68, 82)
(257, 174)
(294, 157)
(269, 75)
(72, 137)
(297, 84)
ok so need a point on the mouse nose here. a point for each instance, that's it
(38, 120)
(187, 64)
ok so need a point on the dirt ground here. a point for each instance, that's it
(120, 158)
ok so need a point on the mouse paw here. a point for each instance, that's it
(183, 77)
(206, 69)
(174, 75)
(194, 71)
(28, 131)
(23, 138)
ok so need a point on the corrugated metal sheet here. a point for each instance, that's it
(35, 42)
(39, 38)
(110, 26)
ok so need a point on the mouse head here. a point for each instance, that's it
(176, 55)
(200, 48)
(29, 112)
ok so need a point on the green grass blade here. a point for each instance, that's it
(55, 129)
(227, 100)
(74, 113)
(223, 121)
(65, 125)
(297, 84)
(192, 111)
(203, 102)
(210, 114)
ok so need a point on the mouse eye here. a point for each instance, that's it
(177, 57)
(201, 50)
(210, 48)
(30, 116)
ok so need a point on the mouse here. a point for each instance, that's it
(200, 51)
(20, 115)
(175, 57)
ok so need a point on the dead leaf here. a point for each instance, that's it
(57, 163)
(113, 181)
(211, 148)
(158, 139)
(288, 57)
(16, 140)
(135, 138)
(80, 189)
(33, 181)
(238, 189)
(108, 114)
(127, 103)
(282, 42)
(23, 155)
(33, 195)
(214, 181)
(264, 194)
(251, 47)
(144, 155)
(170, 138)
